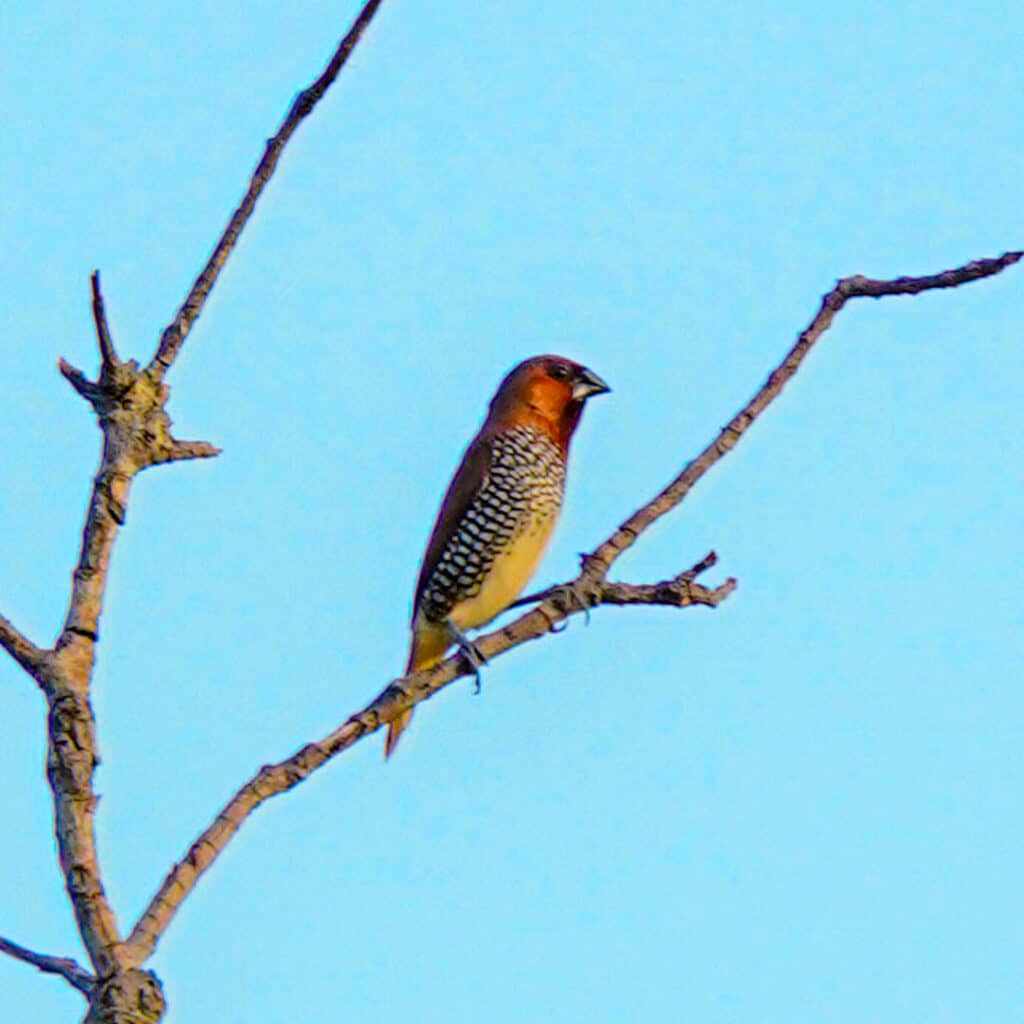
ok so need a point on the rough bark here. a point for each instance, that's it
(127, 997)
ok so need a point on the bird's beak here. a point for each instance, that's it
(588, 383)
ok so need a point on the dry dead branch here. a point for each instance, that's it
(129, 401)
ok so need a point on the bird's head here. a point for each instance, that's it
(548, 391)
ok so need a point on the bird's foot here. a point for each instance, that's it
(469, 650)
(576, 597)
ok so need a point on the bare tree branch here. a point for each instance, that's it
(86, 388)
(588, 589)
(99, 314)
(20, 648)
(108, 506)
(678, 592)
(845, 289)
(174, 335)
(129, 403)
(70, 764)
(70, 971)
(274, 779)
(669, 592)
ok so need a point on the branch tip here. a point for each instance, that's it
(177, 331)
(181, 451)
(78, 380)
(709, 560)
(108, 355)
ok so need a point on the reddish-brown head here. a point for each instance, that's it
(548, 392)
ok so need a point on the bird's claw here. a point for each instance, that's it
(469, 650)
(572, 596)
(476, 660)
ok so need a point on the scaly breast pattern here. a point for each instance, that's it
(496, 547)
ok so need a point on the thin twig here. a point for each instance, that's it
(174, 335)
(601, 594)
(89, 390)
(402, 694)
(70, 971)
(20, 648)
(678, 592)
(99, 315)
(846, 289)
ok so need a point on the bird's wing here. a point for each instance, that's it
(469, 479)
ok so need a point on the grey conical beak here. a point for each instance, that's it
(588, 383)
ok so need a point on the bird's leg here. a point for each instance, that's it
(572, 596)
(553, 627)
(469, 651)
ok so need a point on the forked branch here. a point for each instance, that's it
(130, 405)
(589, 589)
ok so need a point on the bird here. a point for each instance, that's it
(498, 513)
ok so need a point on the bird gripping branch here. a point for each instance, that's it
(499, 511)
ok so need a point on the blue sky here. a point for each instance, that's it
(804, 806)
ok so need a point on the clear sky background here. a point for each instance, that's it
(802, 807)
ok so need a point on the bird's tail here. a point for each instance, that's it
(428, 646)
(395, 729)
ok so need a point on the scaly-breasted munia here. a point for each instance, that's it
(499, 511)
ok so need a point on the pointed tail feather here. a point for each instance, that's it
(429, 642)
(395, 729)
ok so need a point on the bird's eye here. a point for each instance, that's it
(559, 371)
